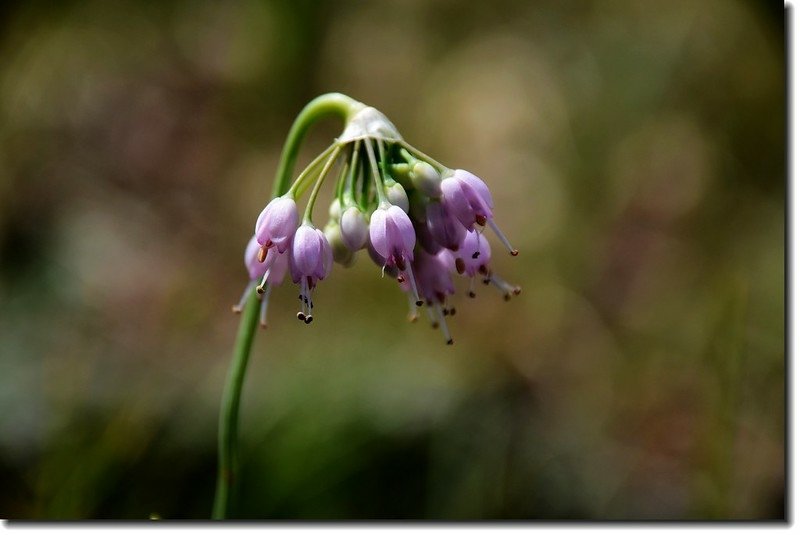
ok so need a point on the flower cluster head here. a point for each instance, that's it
(420, 222)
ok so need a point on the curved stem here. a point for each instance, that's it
(331, 104)
(422, 156)
(335, 104)
(228, 416)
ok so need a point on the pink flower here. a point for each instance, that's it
(445, 228)
(473, 255)
(271, 272)
(392, 235)
(311, 260)
(468, 198)
(272, 269)
(472, 258)
(277, 224)
(435, 284)
(433, 278)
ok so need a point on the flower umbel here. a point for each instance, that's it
(421, 222)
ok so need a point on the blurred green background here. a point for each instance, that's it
(636, 152)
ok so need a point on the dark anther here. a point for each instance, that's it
(259, 289)
(301, 316)
(471, 294)
(480, 219)
(514, 252)
(450, 342)
(309, 319)
(452, 311)
(476, 254)
(482, 270)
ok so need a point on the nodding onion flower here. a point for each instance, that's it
(420, 222)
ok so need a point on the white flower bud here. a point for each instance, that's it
(341, 254)
(426, 179)
(354, 229)
(335, 210)
(397, 196)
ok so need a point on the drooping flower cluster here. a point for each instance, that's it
(420, 222)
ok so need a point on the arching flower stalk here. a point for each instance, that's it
(420, 222)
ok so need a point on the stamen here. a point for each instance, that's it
(503, 238)
(264, 304)
(471, 291)
(303, 300)
(263, 283)
(445, 331)
(238, 307)
(505, 287)
(413, 311)
(309, 319)
(262, 253)
(410, 276)
(429, 311)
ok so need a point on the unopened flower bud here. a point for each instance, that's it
(397, 196)
(354, 229)
(426, 179)
(341, 254)
(335, 210)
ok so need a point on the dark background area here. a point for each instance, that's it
(636, 152)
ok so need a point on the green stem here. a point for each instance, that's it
(334, 104)
(376, 174)
(228, 416)
(331, 104)
(314, 192)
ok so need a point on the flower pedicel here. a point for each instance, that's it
(420, 221)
